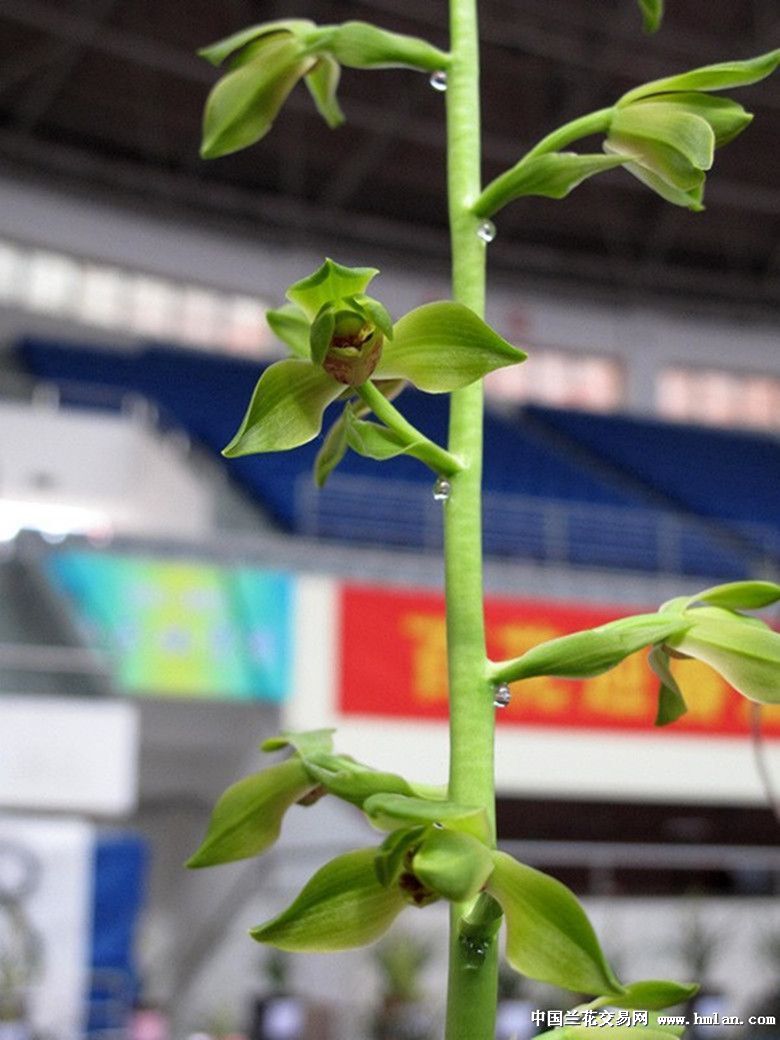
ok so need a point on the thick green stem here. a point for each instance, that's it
(471, 1000)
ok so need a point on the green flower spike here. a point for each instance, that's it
(668, 130)
(341, 339)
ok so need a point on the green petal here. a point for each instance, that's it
(322, 82)
(444, 346)
(612, 1032)
(353, 781)
(342, 906)
(243, 105)
(391, 811)
(329, 283)
(305, 742)
(217, 52)
(711, 77)
(553, 175)
(726, 117)
(746, 654)
(671, 126)
(291, 325)
(374, 441)
(549, 937)
(286, 408)
(248, 817)
(655, 994)
(360, 45)
(321, 332)
(740, 595)
(671, 703)
(454, 865)
(333, 450)
(596, 650)
(652, 13)
(391, 859)
(690, 198)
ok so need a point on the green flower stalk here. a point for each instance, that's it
(345, 348)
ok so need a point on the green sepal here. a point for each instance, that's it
(329, 283)
(393, 852)
(374, 441)
(652, 14)
(216, 53)
(322, 83)
(444, 346)
(454, 865)
(352, 781)
(305, 742)
(740, 595)
(360, 45)
(658, 123)
(392, 811)
(321, 332)
(341, 907)
(726, 118)
(690, 198)
(247, 818)
(286, 408)
(552, 175)
(242, 106)
(742, 649)
(710, 77)
(671, 703)
(333, 450)
(291, 325)
(549, 937)
(582, 655)
(655, 994)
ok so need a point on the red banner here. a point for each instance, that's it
(393, 664)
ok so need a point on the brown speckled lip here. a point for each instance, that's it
(353, 368)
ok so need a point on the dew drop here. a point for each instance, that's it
(439, 81)
(442, 489)
(501, 695)
(487, 230)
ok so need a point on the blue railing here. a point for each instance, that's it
(404, 514)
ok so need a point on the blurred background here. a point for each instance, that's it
(163, 610)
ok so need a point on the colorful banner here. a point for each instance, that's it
(179, 627)
(393, 664)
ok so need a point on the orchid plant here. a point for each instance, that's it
(345, 348)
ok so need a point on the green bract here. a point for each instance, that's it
(268, 60)
(342, 338)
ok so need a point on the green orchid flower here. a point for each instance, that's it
(709, 626)
(268, 60)
(342, 340)
(667, 131)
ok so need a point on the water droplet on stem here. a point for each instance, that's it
(501, 695)
(487, 231)
(442, 489)
(438, 81)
